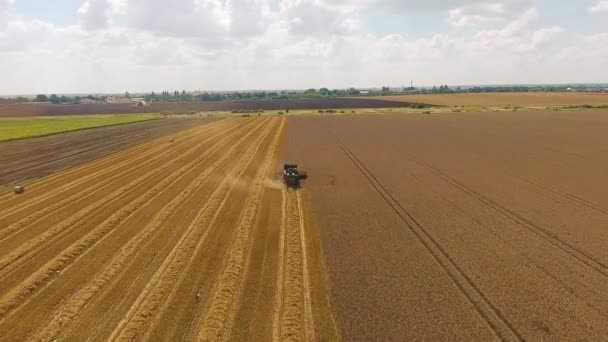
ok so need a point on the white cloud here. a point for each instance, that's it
(119, 6)
(244, 44)
(486, 13)
(313, 18)
(6, 3)
(95, 14)
(427, 5)
(601, 6)
(20, 35)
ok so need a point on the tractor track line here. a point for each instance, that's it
(161, 287)
(543, 233)
(108, 165)
(554, 191)
(66, 227)
(17, 296)
(214, 324)
(509, 243)
(78, 301)
(486, 309)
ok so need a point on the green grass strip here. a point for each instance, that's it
(21, 128)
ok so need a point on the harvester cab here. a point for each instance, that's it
(292, 176)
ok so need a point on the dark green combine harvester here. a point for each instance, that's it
(292, 176)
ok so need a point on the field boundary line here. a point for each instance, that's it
(44, 135)
(485, 308)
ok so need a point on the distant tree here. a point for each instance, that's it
(54, 99)
(310, 92)
(42, 98)
(324, 91)
(127, 95)
(353, 91)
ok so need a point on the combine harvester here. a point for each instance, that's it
(292, 176)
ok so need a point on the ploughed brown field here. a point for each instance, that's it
(468, 227)
(47, 109)
(505, 99)
(410, 227)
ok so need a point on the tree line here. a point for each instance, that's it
(184, 96)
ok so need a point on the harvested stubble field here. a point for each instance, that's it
(166, 241)
(505, 99)
(469, 227)
(23, 160)
(425, 227)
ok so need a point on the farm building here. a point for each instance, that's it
(87, 101)
(118, 100)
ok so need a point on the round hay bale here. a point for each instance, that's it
(19, 189)
(172, 140)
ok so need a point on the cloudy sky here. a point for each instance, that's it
(81, 46)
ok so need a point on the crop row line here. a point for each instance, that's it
(65, 227)
(56, 185)
(19, 295)
(71, 308)
(227, 289)
(162, 286)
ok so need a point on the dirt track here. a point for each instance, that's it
(34, 158)
(164, 241)
(462, 227)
